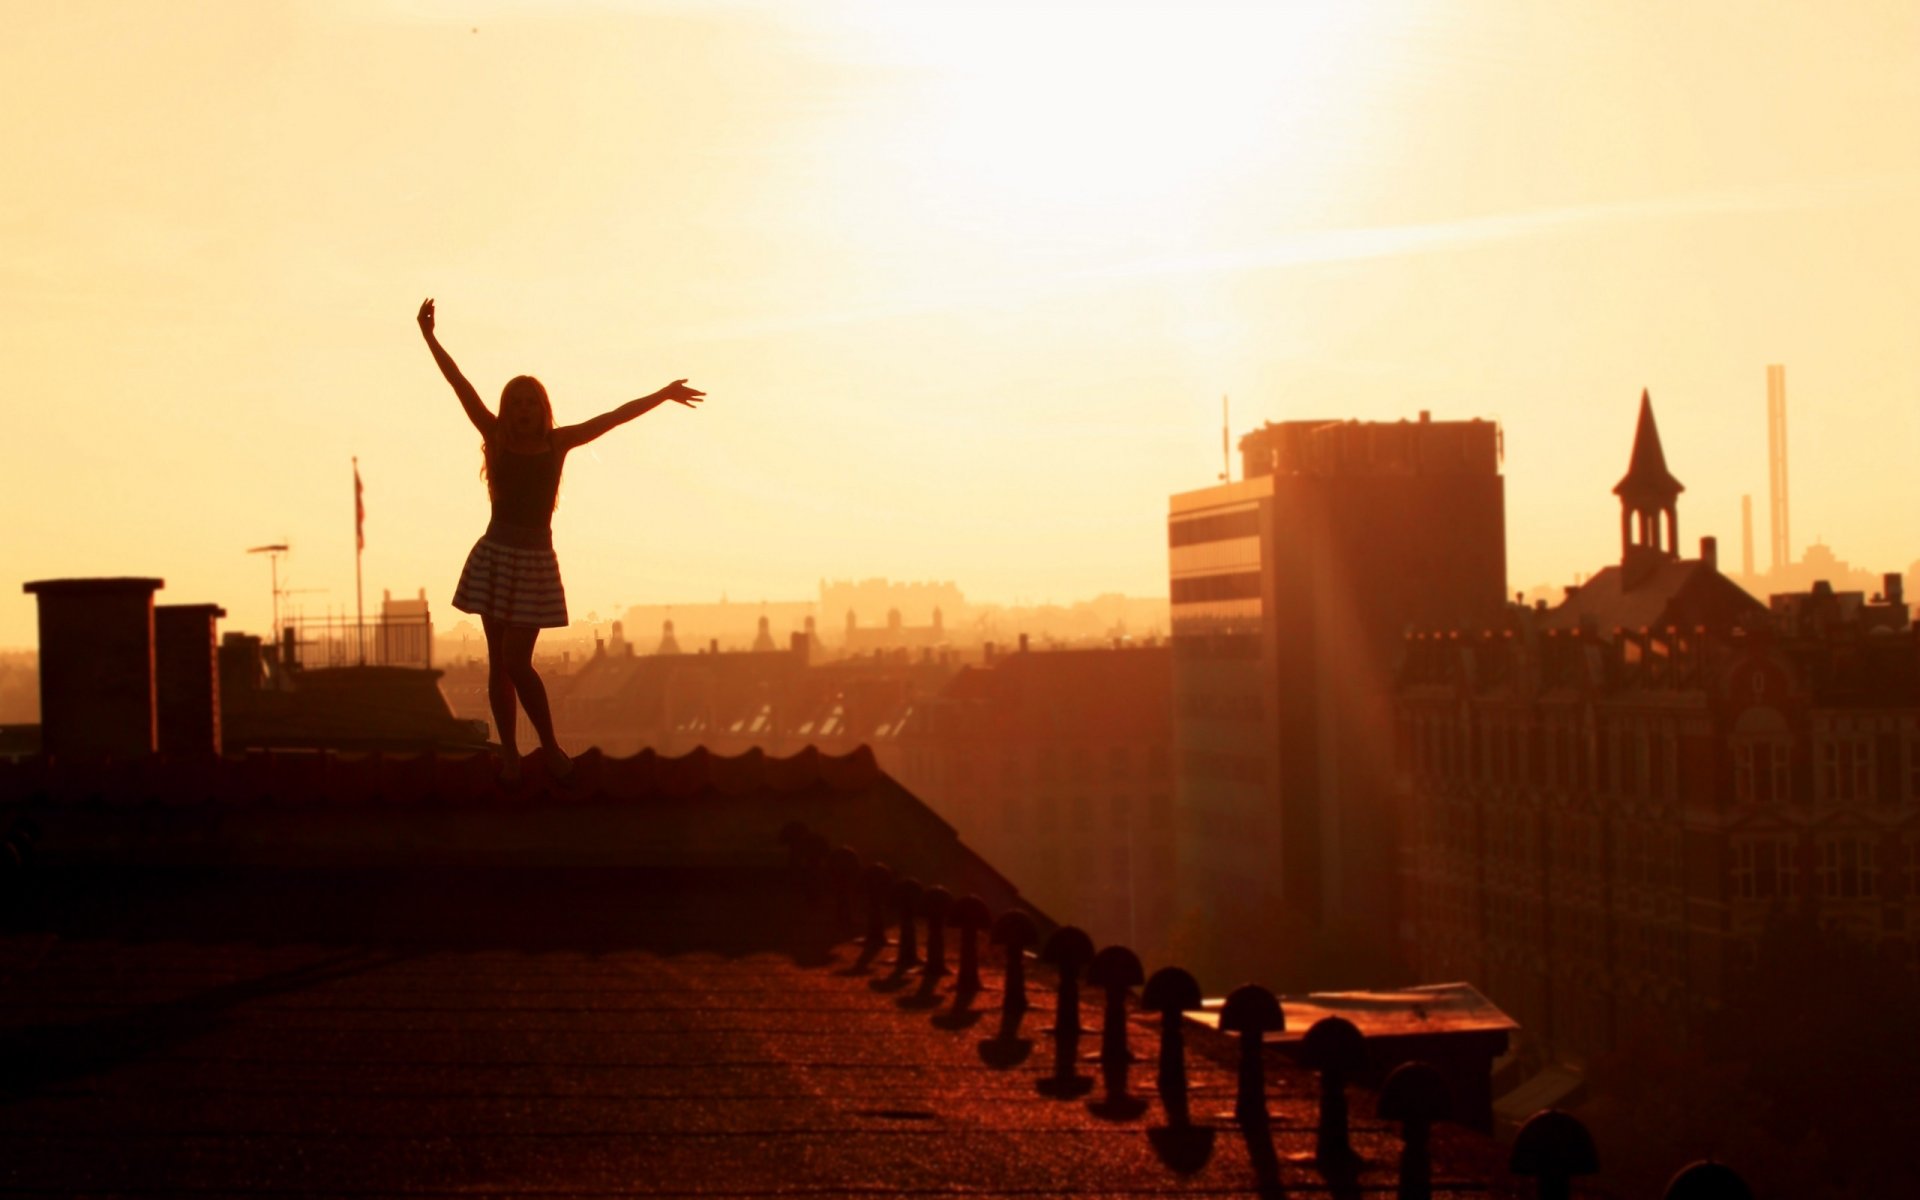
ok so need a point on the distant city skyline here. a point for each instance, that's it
(964, 290)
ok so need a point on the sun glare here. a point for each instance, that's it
(1111, 115)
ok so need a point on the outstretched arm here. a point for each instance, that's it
(469, 399)
(570, 436)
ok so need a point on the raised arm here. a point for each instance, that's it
(569, 436)
(477, 412)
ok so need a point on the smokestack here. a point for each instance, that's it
(1746, 536)
(1023, 643)
(1710, 552)
(1777, 466)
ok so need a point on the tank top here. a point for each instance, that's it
(524, 487)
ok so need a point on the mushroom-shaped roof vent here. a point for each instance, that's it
(1708, 1180)
(1171, 990)
(1333, 1044)
(907, 892)
(1416, 1091)
(1251, 1008)
(969, 912)
(878, 876)
(1068, 948)
(1015, 930)
(934, 903)
(1116, 967)
(1553, 1143)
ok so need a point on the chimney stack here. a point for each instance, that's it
(1777, 466)
(1710, 552)
(186, 655)
(97, 685)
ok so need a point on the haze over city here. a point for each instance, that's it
(965, 288)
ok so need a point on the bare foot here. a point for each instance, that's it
(558, 764)
(510, 767)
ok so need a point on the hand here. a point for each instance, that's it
(677, 391)
(426, 316)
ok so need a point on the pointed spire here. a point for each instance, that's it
(1648, 483)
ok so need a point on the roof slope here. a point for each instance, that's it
(1682, 593)
(552, 1033)
(308, 810)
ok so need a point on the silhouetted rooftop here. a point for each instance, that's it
(329, 975)
(1681, 593)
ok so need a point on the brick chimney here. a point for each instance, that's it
(186, 653)
(97, 691)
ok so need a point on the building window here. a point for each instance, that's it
(1665, 764)
(1846, 768)
(1760, 771)
(1763, 868)
(1847, 868)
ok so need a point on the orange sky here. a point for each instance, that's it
(964, 282)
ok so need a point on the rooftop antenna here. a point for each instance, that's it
(273, 554)
(1226, 455)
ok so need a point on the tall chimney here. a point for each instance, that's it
(1777, 466)
(97, 693)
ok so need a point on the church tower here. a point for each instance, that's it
(1649, 500)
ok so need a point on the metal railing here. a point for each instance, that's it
(316, 643)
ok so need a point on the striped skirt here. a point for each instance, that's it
(512, 584)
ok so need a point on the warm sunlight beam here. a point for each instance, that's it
(1119, 116)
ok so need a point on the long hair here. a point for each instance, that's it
(521, 389)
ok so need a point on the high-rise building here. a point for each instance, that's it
(1290, 592)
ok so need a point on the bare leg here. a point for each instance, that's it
(533, 693)
(501, 694)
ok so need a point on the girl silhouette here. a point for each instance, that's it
(512, 579)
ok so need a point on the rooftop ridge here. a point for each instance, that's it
(291, 777)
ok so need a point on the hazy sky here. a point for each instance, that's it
(965, 282)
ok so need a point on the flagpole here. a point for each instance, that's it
(359, 550)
